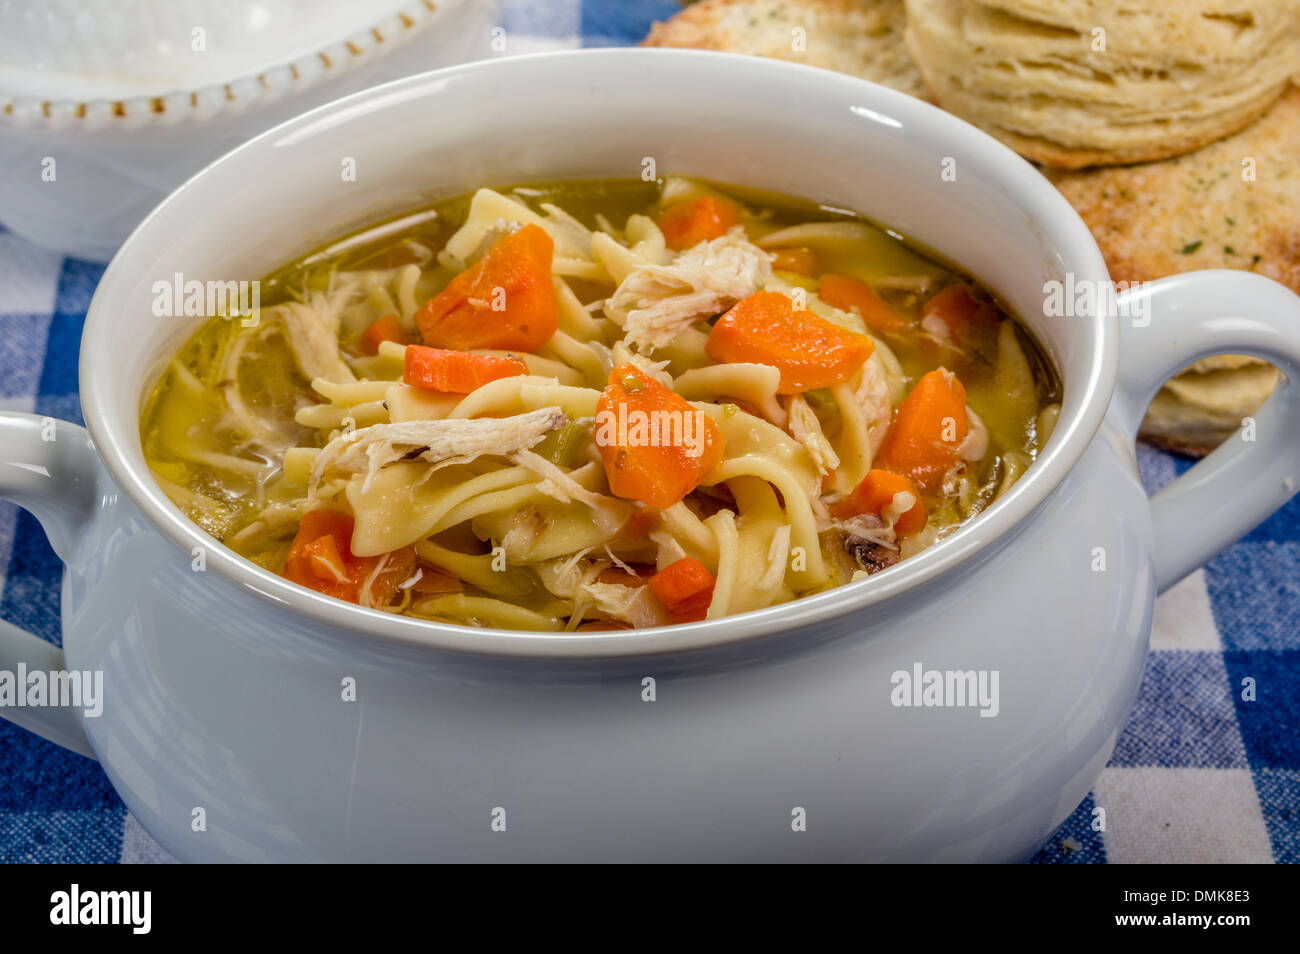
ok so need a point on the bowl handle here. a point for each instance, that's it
(48, 467)
(1170, 323)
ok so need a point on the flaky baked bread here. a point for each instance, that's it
(1074, 83)
(860, 37)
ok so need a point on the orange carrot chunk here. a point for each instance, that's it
(876, 493)
(685, 589)
(689, 223)
(387, 328)
(320, 558)
(809, 351)
(309, 553)
(325, 561)
(457, 372)
(959, 311)
(655, 446)
(802, 261)
(847, 293)
(928, 428)
(505, 301)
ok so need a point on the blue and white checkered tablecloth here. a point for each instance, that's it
(1199, 775)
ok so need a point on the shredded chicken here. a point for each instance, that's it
(555, 482)
(872, 395)
(254, 429)
(344, 289)
(807, 430)
(821, 510)
(368, 449)
(314, 345)
(976, 443)
(631, 604)
(562, 576)
(660, 301)
(868, 528)
(778, 554)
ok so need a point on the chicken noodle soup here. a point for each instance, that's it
(600, 405)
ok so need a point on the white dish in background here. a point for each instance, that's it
(105, 108)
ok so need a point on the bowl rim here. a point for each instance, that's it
(280, 77)
(1053, 215)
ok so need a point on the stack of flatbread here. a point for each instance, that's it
(1195, 92)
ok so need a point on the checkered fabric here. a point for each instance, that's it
(1199, 775)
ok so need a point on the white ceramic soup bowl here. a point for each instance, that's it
(246, 718)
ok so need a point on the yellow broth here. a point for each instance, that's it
(229, 471)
